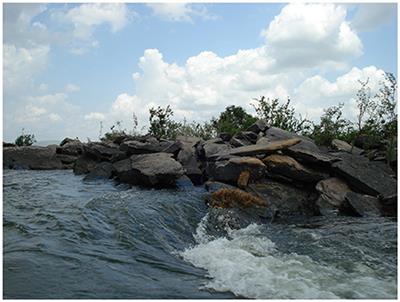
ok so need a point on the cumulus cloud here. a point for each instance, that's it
(95, 116)
(309, 35)
(371, 15)
(71, 88)
(180, 12)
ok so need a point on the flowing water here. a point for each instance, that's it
(66, 238)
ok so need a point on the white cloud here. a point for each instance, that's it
(180, 12)
(54, 117)
(371, 15)
(71, 88)
(310, 35)
(95, 116)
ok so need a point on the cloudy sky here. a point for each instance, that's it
(66, 67)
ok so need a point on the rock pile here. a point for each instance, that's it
(257, 167)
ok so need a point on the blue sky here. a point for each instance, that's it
(66, 67)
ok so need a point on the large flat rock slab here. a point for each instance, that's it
(365, 176)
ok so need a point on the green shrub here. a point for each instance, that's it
(161, 124)
(25, 140)
(233, 120)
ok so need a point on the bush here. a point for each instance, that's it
(234, 119)
(205, 130)
(281, 115)
(25, 140)
(161, 124)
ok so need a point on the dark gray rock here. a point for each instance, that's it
(362, 205)
(226, 137)
(31, 157)
(340, 145)
(228, 171)
(365, 176)
(285, 200)
(84, 164)
(103, 170)
(101, 151)
(389, 205)
(70, 147)
(137, 147)
(259, 126)
(211, 149)
(332, 195)
(154, 170)
(213, 186)
(187, 157)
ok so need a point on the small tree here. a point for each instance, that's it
(233, 120)
(161, 124)
(25, 139)
(281, 115)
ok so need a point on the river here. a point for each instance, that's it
(67, 238)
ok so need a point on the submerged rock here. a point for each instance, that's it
(103, 170)
(155, 169)
(84, 164)
(31, 157)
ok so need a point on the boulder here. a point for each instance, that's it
(361, 205)
(234, 198)
(259, 126)
(68, 161)
(332, 195)
(137, 147)
(225, 136)
(211, 149)
(154, 170)
(7, 145)
(285, 200)
(103, 170)
(247, 136)
(70, 147)
(184, 183)
(235, 142)
(84, 164)
(340, 145)
(102, 151)
(282, 165)
(366, 176)
(67, 140)
(389, 205)
(31, 157)
(263, 149)
(229, 170)
(187, 158)
(263, 141)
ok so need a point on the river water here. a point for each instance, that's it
(67, 238)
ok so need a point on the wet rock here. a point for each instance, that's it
(282, 165)
(259, 126)
(184, 182)
(212, 186)
(285, 200)
(362, 205)
(154, 170)
(365, 176)
(343, 146)
(234, 198)
(389, 205)
(31, 157)
(103, 170)
(84, 164)
(229, 170)
(332, 195)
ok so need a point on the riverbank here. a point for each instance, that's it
(265, 170)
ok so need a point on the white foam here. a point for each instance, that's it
(249, 265)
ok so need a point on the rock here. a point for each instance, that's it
(366, 142)
(154, 170)
(243, 179)
(226, 137)
(68, 161)
(211, 149)
(285, 200)
(187, 158)
(332, 195)
(340, 145)
(137, 147)
(263, 141)
(365, 176)
(8, 145)
(188, 140)
(233, 198)
(235, 142)
(102, 151)
(103, 170)
(389, 205)
(212, 186)
(229, 170)
(184, 182)
(259, 126)
(282, 165)
(247, 136)
(31, 157)
(70, 147)
(362, 205)
(263, 149)
(67, 140)
(84, 164)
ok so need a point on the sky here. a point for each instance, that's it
(68, 67)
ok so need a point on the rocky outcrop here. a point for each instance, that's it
(154, 170)
(31, 157)
(84, 164)
(70, 147)
(103, 170)
(103, 151)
